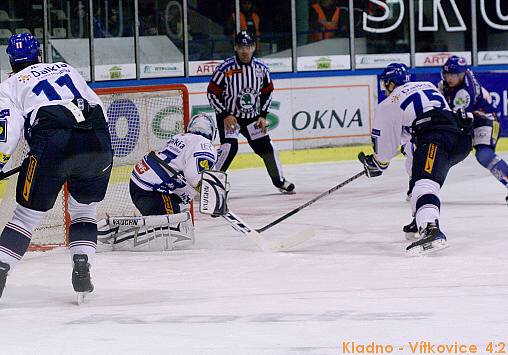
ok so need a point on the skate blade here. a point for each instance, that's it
(412, 237)
(282, 191)
(80, 297)
(428, 248)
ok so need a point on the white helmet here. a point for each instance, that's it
(204, 125)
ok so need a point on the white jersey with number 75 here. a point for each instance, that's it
(395, 115)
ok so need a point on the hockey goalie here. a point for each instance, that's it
(162, 186)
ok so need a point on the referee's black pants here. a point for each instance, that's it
(261, 146)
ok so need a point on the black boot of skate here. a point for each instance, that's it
(81, 280)
(431, 240)
(4, 270)
(411, 230)
(286, 187)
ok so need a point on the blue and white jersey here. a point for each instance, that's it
(188, 154)
(394, 116)
(11, 129)
(470, 96)
(46, 84)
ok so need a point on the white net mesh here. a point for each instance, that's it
(138, 122)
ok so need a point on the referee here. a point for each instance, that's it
(240, 92)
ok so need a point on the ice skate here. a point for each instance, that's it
(286, 187)
(4, 270)
(81, 276)
(411, 231)
(432, 239)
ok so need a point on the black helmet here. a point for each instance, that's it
(244, 38)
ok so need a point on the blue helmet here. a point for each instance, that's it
(23, 48)
(396, 72)
(455, 65)
(244, 38)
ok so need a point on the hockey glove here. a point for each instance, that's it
(371, 165)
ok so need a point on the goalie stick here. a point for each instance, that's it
(262, 242)
(242, 227)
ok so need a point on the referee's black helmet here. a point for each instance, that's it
(244, 38)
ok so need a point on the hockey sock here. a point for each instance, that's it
(83, 228)
(14, 242)
(500, 171)
(425, 202)
(490, 160)
(83, 238)
(17, 234)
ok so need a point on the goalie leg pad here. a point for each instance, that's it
(147, 233)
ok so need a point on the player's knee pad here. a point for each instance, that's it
(483, 135)
(80, 212)
(226, 153)
(485, 155)
(26, 218)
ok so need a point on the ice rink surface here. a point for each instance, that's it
(351, 282)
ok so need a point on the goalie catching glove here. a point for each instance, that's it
(372, 166)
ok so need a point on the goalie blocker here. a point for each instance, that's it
(214, 190)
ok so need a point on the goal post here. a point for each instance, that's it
(141, 118)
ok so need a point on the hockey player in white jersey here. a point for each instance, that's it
(417, 112)
(164, 183)
(68, 136)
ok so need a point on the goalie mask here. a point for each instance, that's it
(204, 125)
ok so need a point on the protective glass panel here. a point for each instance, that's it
(443, 28)
(18, 17)
(113, 28)
(211, 30)
(381, 33)
(273, 36)
(322, 35)
(492, 29)
(161, 38)
(69, 31)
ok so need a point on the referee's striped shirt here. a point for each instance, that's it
(241, 90)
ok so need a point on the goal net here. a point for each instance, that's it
(140, 119)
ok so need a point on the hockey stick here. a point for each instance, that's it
(307, 204)
(9, 173)
(242, 227)
(263, 243)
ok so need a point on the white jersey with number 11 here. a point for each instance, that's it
(46, 84)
